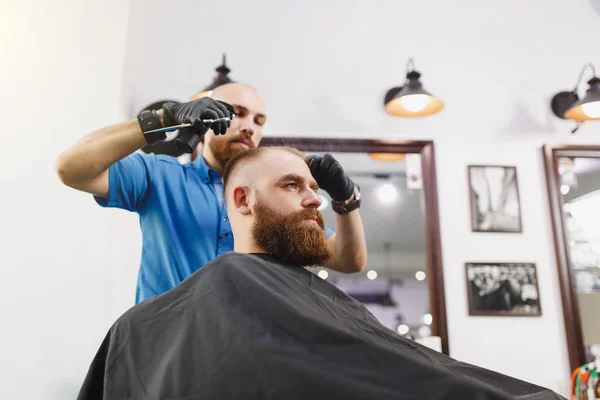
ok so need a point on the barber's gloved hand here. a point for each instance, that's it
(330, 176)
(194, 112)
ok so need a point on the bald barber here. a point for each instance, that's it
(182, 211)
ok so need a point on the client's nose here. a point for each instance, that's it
(312, 200)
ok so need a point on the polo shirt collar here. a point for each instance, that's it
(206, 173)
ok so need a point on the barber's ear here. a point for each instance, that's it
(241, 200)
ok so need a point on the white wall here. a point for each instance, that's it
(61, 68)
(324, 67)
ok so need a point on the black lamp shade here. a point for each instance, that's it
(561, 102)
(411, 100)
(588, 108)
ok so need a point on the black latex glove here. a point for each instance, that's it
(330, 176)
(194, 112)
(187, 140)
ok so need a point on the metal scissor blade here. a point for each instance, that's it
(169, 128)
(181, 126)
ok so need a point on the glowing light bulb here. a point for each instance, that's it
(414, 102)
(372, 274)
(420, 275)
(387, 193)
(564, 189)
(427, 319)
(403, 329)
(592, 109)
(323, 274)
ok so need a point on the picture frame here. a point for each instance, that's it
(494, 198)
(503, 289)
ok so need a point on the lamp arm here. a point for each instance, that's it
(411, 64)
(410, 67)
(588, 65)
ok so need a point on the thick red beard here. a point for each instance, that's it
(291, 237)
(224, 150)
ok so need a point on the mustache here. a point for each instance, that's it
(309, 213)
(243, 138)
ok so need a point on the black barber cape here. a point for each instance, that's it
(253, 327)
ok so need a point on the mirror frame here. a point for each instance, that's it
(435, 271)
(570, 304)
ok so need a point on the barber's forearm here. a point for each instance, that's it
(350, 243)
(95, 152)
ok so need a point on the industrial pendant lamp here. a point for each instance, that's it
(220, 79)
(567, 105)
(411, 100)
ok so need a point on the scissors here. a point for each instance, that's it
(207, 122)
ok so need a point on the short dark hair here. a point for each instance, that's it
(253, 154)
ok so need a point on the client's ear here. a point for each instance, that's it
(241, 199)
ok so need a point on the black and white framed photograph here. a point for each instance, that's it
(503, 289)
(494, 194)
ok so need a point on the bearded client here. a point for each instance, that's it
(254, 323)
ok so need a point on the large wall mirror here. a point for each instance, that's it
(573, 177)
(402, 284)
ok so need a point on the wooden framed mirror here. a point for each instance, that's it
(393, 258)
(573, 184)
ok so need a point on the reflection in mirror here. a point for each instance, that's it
(580, 187)
(393, 285)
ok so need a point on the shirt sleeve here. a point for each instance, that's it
(129, 182)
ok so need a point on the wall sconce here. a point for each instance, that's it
(220, 79)
(567, 105)
(411, 100)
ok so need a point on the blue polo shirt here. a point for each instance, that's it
(182, 214)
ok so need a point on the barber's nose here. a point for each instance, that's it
(248, 131)
(247, 127)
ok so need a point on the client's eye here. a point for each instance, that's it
(292, 185)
